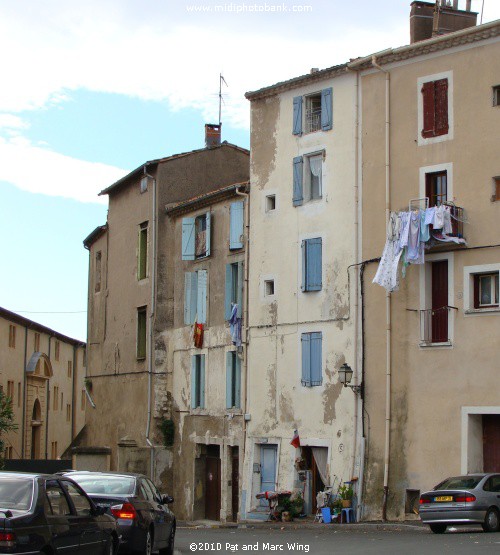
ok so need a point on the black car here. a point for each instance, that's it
(145, 522)
(46, 514)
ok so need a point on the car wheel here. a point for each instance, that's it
(438, 528)
(491, 521)
(169, 550)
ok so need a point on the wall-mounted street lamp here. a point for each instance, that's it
(345, 376)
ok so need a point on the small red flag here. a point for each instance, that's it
(295, 439)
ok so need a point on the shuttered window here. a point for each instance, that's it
(435, 108)
(312, 373)
(326, 109)
(233, 380)
(312, 264)
(196, 237)
(236, 222)
(142, 258)
(298, 172)
(198, 381)
(297, 115)
(234, 288)
(195, 297)
(141, 332)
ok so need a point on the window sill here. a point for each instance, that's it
(428, 345)
(489, 310)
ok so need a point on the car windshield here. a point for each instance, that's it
(16, 493)
(460, 482)
(108, 485)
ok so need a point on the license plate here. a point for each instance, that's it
(443, 498)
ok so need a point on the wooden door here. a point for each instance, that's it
(440, 301)
(491, 442)
(212, 488)
(235, 484)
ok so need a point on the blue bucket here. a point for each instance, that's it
(326, 514)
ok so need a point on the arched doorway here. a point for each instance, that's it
(36, 426)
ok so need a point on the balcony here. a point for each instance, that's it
(454, 240)
(435, 324)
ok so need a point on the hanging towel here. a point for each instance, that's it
(414, 237)
(424, 228)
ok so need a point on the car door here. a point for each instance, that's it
(157, 513)
(167, 516)
(92, 536)
(64, 531)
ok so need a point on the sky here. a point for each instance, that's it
(91, 90)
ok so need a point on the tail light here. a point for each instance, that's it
(425, 500)
(125, 511)
(7, 539)
(464, 498)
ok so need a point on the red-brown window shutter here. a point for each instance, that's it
(441, 103)
(429, 109)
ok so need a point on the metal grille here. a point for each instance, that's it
(313, 120)
(435, 325)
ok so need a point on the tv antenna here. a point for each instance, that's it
(221, 100)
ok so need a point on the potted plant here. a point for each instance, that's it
(346, 493)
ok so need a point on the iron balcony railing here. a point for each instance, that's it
(435, 324)
(313, 120)
(457, 220)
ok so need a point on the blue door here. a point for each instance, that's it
(268, 456)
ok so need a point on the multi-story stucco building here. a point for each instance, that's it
(134, 261)
(302, 288)
(431, 358)
(42, 371)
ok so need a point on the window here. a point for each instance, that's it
(98, 260)
(8, 452)
(62, 401)
(198, 381)
(312, 373)
(233, 380)
(236, 224)
(57, 350)
(83, 400)
(144, 184)
(307, 178)
(142, 261)
(486, 290)
(496, 189)
(141, 332)
(196, 237)
(311, 264)
(53, 450)
(80, 502)
(12, 337)
(270, 203)
(318, 112)
(234, 288)
(436, 187)
(68, 413)
(56, 397)
(269, 287)
(70, 368)
(195, 297)
(10, 391)
(56, 499)
(36, 342)
(435, 108)
(496, 95)
(19, 394)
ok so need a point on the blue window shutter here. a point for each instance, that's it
(316, 363)
(229, 379)
(236, 213)
(298, 165)
(229, 285)
(202, 381)
(237, 401)
(190, 296)
(193, 382)
(326, 109)
(208, 220)
(306, 359)
(188, 236)
(201, 304)
(239, 293)
(297, 115)
(313, 263)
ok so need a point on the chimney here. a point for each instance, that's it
(212, 135)
(430, 19)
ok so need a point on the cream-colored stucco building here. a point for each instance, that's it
(302, 287)
(430, 116)
(42, 371)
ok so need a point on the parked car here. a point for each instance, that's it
(470, 499)
(145, 521)
(41, 513)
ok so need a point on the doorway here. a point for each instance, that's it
(491, 442)
(314, 484)
(235, 482)
(36, 425)
(268, 458)
(212, 483)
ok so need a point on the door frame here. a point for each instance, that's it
(469, 440)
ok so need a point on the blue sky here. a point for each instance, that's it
(97, 88)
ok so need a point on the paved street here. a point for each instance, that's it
(366, 540)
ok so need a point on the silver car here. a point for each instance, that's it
(470, 499)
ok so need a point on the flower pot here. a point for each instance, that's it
(286, 516)
(346, 503)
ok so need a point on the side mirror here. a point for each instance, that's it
(98, 511)
(167, 499)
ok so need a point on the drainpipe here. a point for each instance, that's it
(152, 316)
(246, 196)
(387, 295)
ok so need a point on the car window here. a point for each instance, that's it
(460, 482)
(56, 502)
(81, 503)
(16, 493)
(155, 491)
(148, 491)
(109, 485)
(492, 484)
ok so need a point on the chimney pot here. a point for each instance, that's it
(314, 69)
(212, 135)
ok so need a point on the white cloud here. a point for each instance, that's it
(39, 170)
